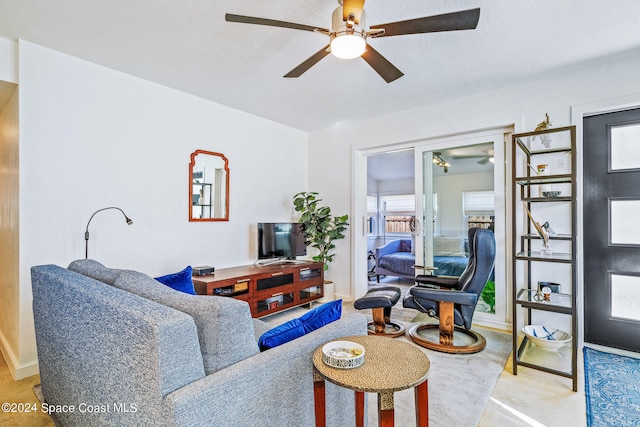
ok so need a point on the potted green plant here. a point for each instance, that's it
(488, 295)
(320, 227)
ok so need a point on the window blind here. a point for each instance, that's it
(478, 202)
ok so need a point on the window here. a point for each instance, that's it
(478, 207)
(478, 202)
(372, 214)
(398, 211)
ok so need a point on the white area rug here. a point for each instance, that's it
(459, 385)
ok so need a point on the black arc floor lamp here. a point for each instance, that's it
(86, 232)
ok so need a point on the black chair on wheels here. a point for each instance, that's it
(455, 301)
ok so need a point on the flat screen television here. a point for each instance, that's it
(280, 240)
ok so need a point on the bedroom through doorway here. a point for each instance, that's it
(420, 203)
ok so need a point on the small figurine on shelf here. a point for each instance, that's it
(543, 125)
(548, 228)
(543, 231)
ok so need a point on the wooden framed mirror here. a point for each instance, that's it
(208, 186)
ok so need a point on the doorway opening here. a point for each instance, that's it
(428, 195)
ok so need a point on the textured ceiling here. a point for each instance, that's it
(187, 45)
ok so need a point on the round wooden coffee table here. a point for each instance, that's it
(389, 366)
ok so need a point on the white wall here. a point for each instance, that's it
(91, 137)
(451, 221)
(396, 186)
(334, 148)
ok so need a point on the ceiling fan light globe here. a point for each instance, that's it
(348, 46)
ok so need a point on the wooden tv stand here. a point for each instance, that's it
(267, 289)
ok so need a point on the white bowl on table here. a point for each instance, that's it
(546, 338)
(343, 354)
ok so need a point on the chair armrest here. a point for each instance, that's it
(456, 297)
(445, 281)
(261, 388)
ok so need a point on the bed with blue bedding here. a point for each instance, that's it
(395, 258)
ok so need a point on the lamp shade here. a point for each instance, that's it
(348, 46)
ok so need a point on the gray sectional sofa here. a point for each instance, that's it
(121, 349)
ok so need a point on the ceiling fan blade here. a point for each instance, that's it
(310, 62)
(381, 65)
(483, 158)
(352, 7)
(478, 156)
(463, 20)
(229, 17)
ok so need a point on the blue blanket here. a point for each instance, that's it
(449, 265)
(400, 262)
(403, 262)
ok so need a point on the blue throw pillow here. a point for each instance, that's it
(180, 281)
(310, 321)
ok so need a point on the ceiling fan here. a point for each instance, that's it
(349, 33)
(484, 158)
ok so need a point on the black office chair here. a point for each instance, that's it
(454, 306)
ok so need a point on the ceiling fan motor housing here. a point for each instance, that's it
(347, 33)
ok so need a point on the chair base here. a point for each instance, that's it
(391, 330)
(380, 300)
(478, 344)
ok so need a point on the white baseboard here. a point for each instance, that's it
(18, 371)
(493, 324)
(346, 298)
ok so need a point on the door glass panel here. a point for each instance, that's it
(625, 296)
(449, 175)
(624, 224)
(625, 147)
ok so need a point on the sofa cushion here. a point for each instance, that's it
(260, 327)
(225, 327)
(295, 328)
(180, 281)
(95, 270)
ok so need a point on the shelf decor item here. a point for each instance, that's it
(543, 232)
(546, 338)
(545, 139)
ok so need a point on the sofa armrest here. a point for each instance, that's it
(389, 248)
(274, 387)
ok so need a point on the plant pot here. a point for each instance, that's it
(329, 292)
